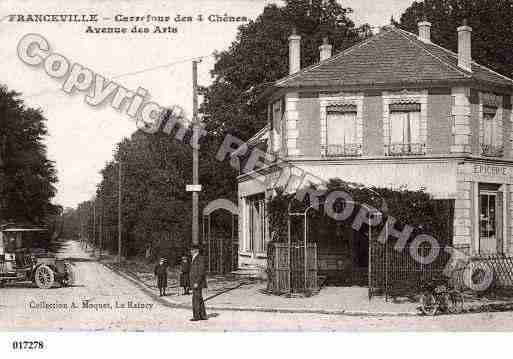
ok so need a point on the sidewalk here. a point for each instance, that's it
(234, 292)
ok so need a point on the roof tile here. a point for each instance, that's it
(392, 56)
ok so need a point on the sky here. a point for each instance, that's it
(82, 138)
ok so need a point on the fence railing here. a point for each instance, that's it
(470, 271)
(405, 149)
(343, 150)
(489, 150)
(394, 271)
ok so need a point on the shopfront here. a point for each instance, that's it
(483, 208)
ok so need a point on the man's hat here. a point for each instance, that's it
(195, 246)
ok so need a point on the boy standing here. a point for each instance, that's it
(184, 275)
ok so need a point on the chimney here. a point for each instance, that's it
(325, 50)
(424, 31)
(464, 46)
(294, 52)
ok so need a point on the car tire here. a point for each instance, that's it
(44, 277)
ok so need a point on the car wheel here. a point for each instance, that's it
(44, 277)
(69, 278)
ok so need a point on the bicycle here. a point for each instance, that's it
(439, 298)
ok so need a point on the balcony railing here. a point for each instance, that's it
(492, 150)
(405, 149)
(345, 150)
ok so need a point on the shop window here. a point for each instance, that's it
(405, 130)
(490, 144)
(341, 131)
(490, 221)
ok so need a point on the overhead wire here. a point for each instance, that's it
(133, 73)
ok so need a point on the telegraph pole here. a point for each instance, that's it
(101, 227)
(119, 211)
(94, 225)
(195, 188)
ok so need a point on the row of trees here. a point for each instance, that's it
(156, 168)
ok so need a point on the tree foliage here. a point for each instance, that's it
(156, 167)
(491, 22)
(27, 176)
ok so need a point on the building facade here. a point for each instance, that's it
(393, 111)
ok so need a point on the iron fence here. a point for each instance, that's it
(394, 271)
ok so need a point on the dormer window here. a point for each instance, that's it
(491, 140)
(405, 133)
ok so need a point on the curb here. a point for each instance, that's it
(173, 304)
(473, 309)
(146, 289)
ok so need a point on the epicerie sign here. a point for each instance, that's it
(487, 170)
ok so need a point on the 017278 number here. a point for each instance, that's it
(28, 345)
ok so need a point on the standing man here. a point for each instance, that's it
(198, 281)
(161, 274)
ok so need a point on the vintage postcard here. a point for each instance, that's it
(256, 165)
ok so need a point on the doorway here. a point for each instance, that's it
(490, 219)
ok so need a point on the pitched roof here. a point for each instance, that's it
(391, 56)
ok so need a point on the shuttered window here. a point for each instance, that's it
(341, 128)
(490, 125)
(404, 123)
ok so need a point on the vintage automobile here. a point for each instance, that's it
(21, 261)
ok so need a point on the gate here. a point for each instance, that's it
(286, 276)
(222, 248)
(222, 254)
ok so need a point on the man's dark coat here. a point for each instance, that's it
(198, 273)
(198, 278)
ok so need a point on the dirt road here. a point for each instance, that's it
(102, 300)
